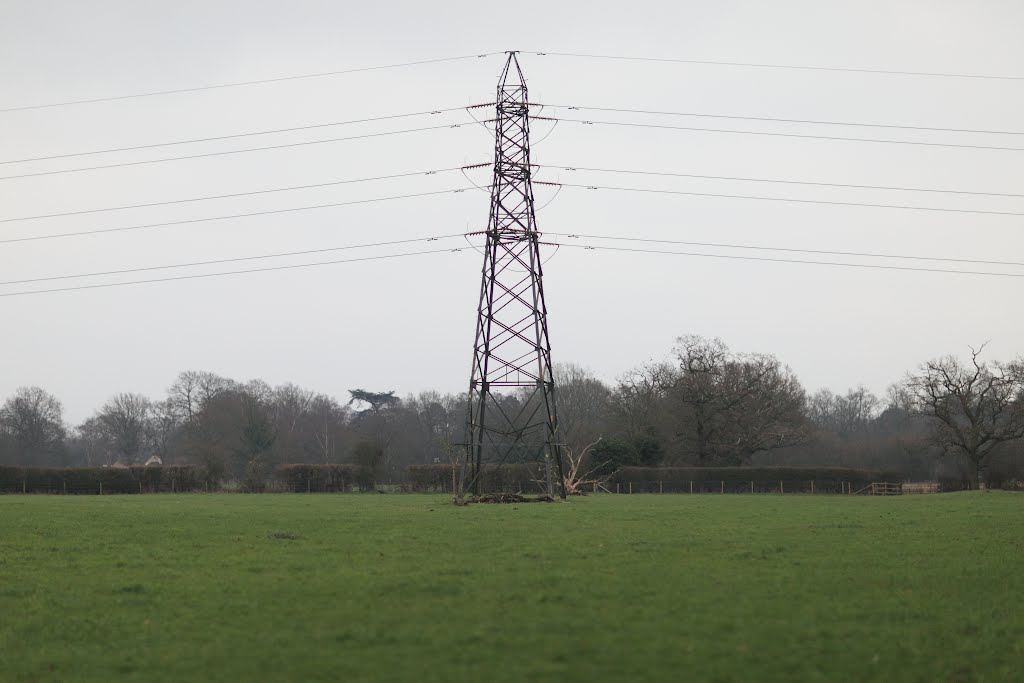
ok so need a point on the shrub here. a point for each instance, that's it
(611, 455)
(325, 478)
(428, 478)
(1005, 474)
(955, 482)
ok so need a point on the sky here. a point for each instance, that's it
(406, 324)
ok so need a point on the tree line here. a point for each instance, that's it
(704, 405)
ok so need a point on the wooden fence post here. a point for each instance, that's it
(812, 487)
(722, 490)
(616, 487)
(751, 485)
(691, 486)
(781, 488)
(661, 487)
(631, 487)
(595, 487)
(101, 487)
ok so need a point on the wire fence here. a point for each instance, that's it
(719, 486)
(138, 480)
(752, 486)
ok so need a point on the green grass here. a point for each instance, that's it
(409, 588)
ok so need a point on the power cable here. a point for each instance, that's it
(720, 245)
(229, 260)
(450, 250)
(818, 122)
(233, 272)
(235, 151)
(235, 135)
(230, 216)
(805, 136)
(785, 199)
(245, 83)
(234, 194)
(780, 181)
(799, 67)
(782, 260)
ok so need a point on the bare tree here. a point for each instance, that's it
(193, 390)
(583, 403)
(257, 430)
(290, 405)
(162, 427)
(91, 442)
(974, 407)
(327, 428)
(843, 414)
(34, 419)
(857, 409)
(123, 420)
(291, 402)
(821, 409)
(434, 422)
(730, 406)
(637, 405)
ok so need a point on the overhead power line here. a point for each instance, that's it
(238, 84)
(797, 67)
(778, 180)
(783, 199)
(236, 194)
(304, 252)
(785, 260)
(208, 219)
(236, 151)
(458, 249)
(758, 247)
(232, 272)
(235, 135)
(818, 122)
(806, 136)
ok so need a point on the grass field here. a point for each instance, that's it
(409, 588)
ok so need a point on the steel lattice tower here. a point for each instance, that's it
(512, 350)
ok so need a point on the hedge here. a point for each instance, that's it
(510, 478)
(747, 479)
(955, 482)
(325, 478)
(102, 480)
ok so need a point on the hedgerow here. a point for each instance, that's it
(510, 478)
(300, 478)
(103, 480)
(747, 479)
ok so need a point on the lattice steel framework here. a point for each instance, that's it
(512, 352)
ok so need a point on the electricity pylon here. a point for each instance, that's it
(512, 352)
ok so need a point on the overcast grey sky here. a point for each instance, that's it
(407, 324)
